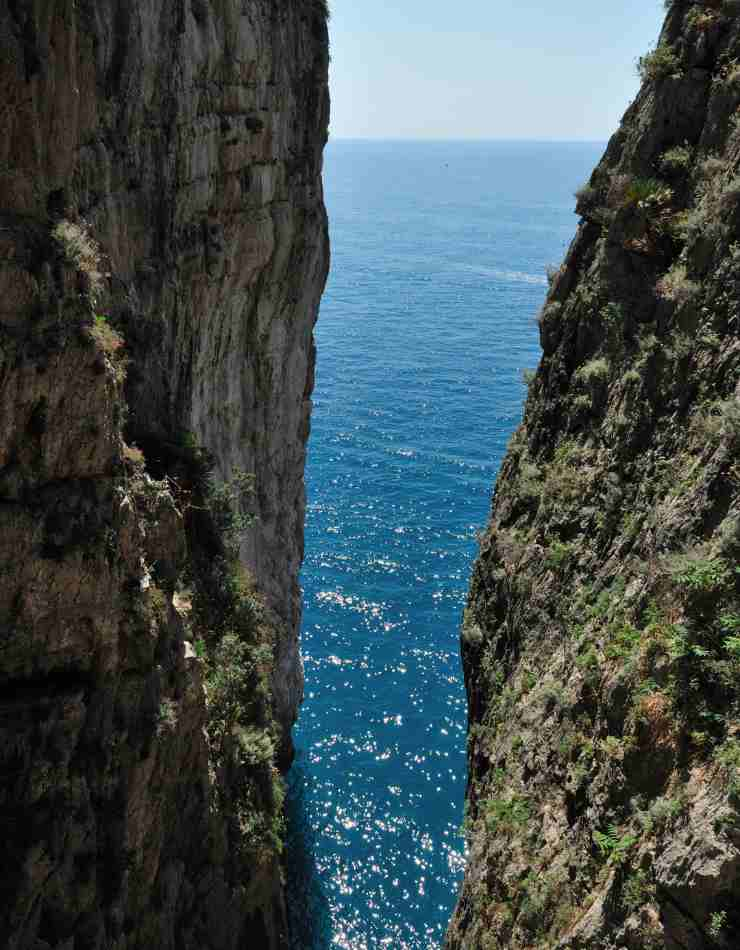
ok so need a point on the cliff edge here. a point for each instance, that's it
(163, 249)
(601, 641)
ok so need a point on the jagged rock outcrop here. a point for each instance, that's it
(163, 248)
(601, 641)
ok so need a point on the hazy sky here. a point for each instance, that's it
(486, 68)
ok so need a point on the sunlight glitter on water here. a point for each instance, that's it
(423, 336)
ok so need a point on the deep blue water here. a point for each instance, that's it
(439, 255)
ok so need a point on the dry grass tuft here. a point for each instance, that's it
(82, 252)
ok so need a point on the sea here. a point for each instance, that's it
(439, 256)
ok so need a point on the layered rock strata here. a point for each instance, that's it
(163, 248)
(601, 641)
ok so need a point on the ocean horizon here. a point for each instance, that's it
(492, 140)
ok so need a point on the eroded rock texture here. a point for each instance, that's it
(163, 249)
(601, 639)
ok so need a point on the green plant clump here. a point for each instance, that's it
(717, 923)
(658, 64)
(612, 845)
(506, 812)
(637, 890)
(638, 191)
(234, 642)
(702, 575)
(676, 159)
(593, 371)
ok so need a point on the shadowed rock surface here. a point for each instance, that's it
(163, 248)
(601, 638)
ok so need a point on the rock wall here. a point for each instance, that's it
(163, 248)
(600, 641)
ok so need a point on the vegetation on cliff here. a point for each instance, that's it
(601, 641)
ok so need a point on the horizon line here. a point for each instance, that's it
(458, 138)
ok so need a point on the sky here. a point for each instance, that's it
(472, 69)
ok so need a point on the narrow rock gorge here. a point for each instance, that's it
(163, 249)
(601, 641)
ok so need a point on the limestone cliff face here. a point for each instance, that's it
(163, 248)
(601, 639)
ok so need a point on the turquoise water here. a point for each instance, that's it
(439, 255)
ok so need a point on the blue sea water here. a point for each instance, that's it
(439, 256)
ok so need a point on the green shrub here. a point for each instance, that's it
(631, 378)
(582, 404)
(226, 500)
(229, 684)
(697, 19)
(506, 812)
(664, 810)
(234, 641)
(623, 641)
(716, 924)
(595, 370)
(658, 64)
(564, 480)
(701, 575)
(676, 159)
(256, 745)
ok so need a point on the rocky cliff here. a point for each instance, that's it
(601, 641)
(163, 248)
